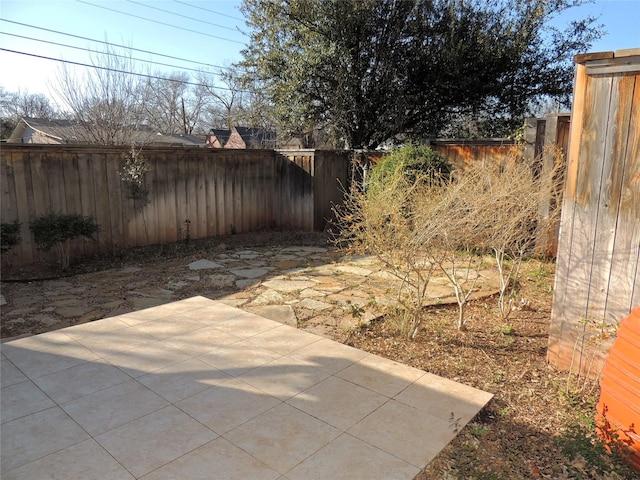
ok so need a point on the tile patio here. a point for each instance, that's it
(197, 389)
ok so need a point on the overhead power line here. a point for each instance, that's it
(103, 53)
(185, 16)
(160, 23)
(113, 44)
(155, 77)
(210, 11)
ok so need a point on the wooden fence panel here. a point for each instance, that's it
(220, 192)
(597, 274)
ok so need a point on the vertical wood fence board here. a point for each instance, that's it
(116, 199)
(31, 206)
(567, 218)
(106, 241)
(73, 197)
(8, 207)
(201, 196)
(562, 288)
(218, 164)
(88, 196)
(620, 250)
(22, 209)
(171, 204)
(55, 179)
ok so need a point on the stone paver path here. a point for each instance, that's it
(309, 287)
(197, 389)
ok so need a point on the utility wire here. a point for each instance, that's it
(160, 23)
(210, 11)
(155, 77)
(104, 53)
(114, 44)
(184, 16)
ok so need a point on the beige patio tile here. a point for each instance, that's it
(381, 375)
(86, 460)
(246, 325)
(216, 312)
(224, 407)
(32, 437)
(22, 399)
(284, 339)
(442, 397)
(284, 377)
(282, 437)
(114, 406)
(37, 363)
(114, 342)
(181, 380)
(238, 358)
(405, 432)
(328, 355)
(189, 304)
(146, 315)
(217, 460)
(171, 326)
(347, 458)
(80, 380)
(36, 343)
(147, 358)
(96, 327)
(202, 340)
(154, 440)
(338, 402)
(9, 373)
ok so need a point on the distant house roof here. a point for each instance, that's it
(248, 137)
(217, 138)
(40, 130)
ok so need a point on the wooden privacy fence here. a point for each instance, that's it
(461, 152)
(598, 268)
(194, 191)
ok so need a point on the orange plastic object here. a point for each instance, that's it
(619, 405)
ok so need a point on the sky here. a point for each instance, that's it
(199, 34)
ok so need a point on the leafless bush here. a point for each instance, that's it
(382, 222)
(415, 226)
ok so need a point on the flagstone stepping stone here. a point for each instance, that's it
(279, 313)
(250, 272)
(312, 304)
(353, 270)
(222, 280)
(266, 297)
(203, 265)
(283, 285)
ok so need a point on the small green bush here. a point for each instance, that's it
(56, 230)
(415, 161)
(9, 235)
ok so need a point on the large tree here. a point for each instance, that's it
(369, 70)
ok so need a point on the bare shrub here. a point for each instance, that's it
(382, 222)
(415, 224)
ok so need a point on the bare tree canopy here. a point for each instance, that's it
(16, 105)
(106, 101)
(372, 69)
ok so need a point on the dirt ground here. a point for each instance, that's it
(538, 425)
